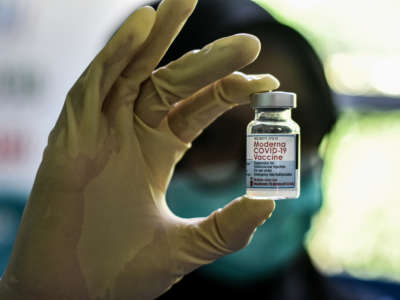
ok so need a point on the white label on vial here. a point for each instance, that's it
(271, 161)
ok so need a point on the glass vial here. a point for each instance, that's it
(273, 148)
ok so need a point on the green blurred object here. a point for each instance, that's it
(357, 230)
(357, 40)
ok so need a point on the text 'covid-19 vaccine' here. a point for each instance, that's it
(273, 148)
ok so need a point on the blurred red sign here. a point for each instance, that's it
(13, 146)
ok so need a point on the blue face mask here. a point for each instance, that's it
(275, 244)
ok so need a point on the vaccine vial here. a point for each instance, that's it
(273, 148)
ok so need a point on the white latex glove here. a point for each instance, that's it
(97, 225)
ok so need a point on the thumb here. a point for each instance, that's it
(226, 230)
(233, 226)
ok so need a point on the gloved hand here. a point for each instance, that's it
(97, 225)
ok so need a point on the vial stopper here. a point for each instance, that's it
(273, 100)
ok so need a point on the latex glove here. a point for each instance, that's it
(97, 225)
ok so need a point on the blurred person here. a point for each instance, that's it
(275, 264)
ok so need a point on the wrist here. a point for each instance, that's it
(44, 263)
(8, 292)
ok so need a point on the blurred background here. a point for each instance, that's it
(45, 45)
(358, 228)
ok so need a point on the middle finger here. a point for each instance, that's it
(190, 73)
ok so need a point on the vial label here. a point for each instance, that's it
(272, 161)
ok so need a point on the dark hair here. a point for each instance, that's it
(213, 19)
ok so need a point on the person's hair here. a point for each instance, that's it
(213, 19)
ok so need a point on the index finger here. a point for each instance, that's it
(171, 16)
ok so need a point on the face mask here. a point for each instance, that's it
(275, 244)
